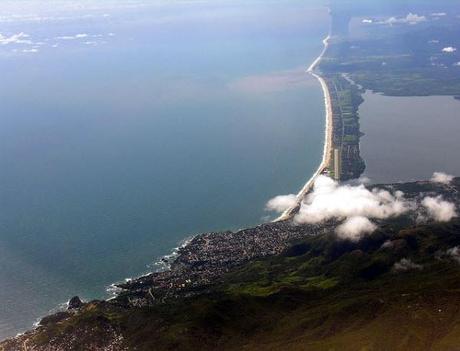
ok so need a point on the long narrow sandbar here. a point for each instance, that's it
(290, 212)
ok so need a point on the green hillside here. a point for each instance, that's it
(320, 294)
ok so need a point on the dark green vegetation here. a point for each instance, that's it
(345, 101)
(401, 59)
(398, 59)
(397, 289)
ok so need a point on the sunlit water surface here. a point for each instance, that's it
(128, 126)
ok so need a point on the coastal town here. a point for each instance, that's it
(202, 262)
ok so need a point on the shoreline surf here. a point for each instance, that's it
(328, 137)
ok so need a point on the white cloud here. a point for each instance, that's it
(361, 180)
(454, 252)
(33, 50)
(439, 14)
(387, 244)
(355, 204)
(411, 18)
(440, 177)
(449, 49)
(33, 17)
(281, 203)
(367, 21)
(405, 265)
(439, 209)
(73, 37)
(66, 37)
(19, 38)
(331, 200)
(20, 11)
(355, 227)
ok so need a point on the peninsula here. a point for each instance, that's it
(326, 159)
(341, 158)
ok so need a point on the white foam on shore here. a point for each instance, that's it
(61, 307)
(162, 264)
(328, 135)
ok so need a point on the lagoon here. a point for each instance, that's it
(409, 138)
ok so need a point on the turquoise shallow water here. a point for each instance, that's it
(124, 130)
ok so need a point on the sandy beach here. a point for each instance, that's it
(328, 137)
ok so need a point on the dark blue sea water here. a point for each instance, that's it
(128, 126)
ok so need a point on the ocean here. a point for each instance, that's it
(128, 126)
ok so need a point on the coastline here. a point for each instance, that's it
(290, 212)
(114, 289)
(165, 261)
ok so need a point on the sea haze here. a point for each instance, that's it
(127, 126)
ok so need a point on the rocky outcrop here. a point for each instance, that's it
(74, 303)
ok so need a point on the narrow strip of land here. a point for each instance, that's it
(290, 212)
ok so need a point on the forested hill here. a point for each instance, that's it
(396, 289)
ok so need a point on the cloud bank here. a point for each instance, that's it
(439, 209)
(454, 253)
(411, 18)
(443, 178)
(449, 49)
(19, 38)
(281, 203)
(30, 51)
(356, 206)
(405, 265)
(23, 43)
(355, 227)
(73, 37)
(331, 200)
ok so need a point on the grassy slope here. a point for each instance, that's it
(322, 294)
